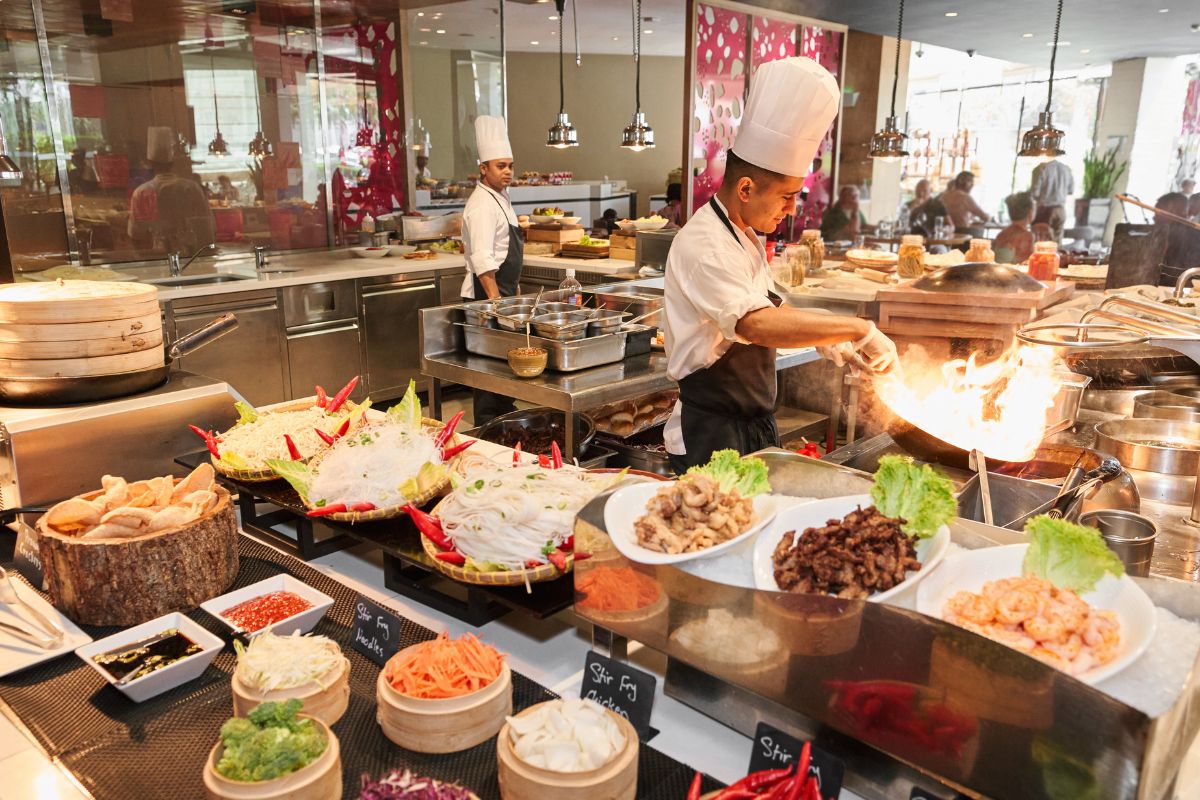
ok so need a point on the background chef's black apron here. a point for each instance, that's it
(731, 403)
(487, 405)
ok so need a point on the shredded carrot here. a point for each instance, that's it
(444, 667)
(616, 589)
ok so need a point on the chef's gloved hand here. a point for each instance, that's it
(840, 354)
(877, 350)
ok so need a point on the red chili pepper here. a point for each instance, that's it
(341, 396)
(517, 454)
(325, 437)
(568, 545)
(763, 779)
(737, 794)
(780, 790)
(556, 459)
(451, 452)
(533, 563)
(543, 461)
(361, 507)
(447, 430)
(814, 790)
(322, 398)
(558, 559)
(582, 556)
(343, 429)
(210, 440)
(324, 511)
(429, 527)
(293, 451)
(451, 557)
(805, 760)
(694, 790)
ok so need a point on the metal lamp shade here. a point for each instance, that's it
(638, 136)
(217, 146)
(562, 133)
(9, 171)
(1043, 139)
(888, 144)
(259, 146)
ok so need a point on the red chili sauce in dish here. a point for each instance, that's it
(256, 614)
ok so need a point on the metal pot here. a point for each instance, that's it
(1166, 405)
(1154, 445)
(525, 423)
(606, 321)
(1112, 355)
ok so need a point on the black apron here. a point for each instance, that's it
(508, 277)
(731, 403)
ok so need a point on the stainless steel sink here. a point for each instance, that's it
(199, 280)
(280, 271)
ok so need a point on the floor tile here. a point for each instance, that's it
(29, 775)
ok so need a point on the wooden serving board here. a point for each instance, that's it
(1053, 293)
(142, 325)
(82, 348)
(618, 240)
(554, 235)
(151, 358)
(75, 301)
(584, 251)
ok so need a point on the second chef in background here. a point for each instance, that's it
(492, 240)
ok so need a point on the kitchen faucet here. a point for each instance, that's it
(1184, 278)
(173, 260)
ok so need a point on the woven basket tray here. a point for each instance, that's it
(264, 474)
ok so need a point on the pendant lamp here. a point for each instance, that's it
(562, 133)
(888, 144)
(259, 146)
(1044, 139)
(217, 146)
(638, 136)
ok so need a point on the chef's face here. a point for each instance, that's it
(497, 173)
(768, 200)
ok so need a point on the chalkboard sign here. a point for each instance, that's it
(26, 558)
(774, 749)
(376, 631)
(621, 688)
(918, 793)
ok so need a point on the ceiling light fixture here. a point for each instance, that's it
(260, 146)
(647, 31)
(1086, 50)
(534, 41)
(562, 133)
(638, 136)
(1044, 139)
(951, 13)
(888, 144)
(440, 30)
(1026, 35)
(217, 146)
(1163, 10)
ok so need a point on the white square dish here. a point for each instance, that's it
(303, 622)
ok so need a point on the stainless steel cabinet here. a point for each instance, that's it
(252, 358)
(322, 337)
(391, 344)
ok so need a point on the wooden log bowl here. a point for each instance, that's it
(320, 780)
(616, 780)
(326, 704)
(443, 725)
(130, 581)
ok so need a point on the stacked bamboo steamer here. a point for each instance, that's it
(73, 329)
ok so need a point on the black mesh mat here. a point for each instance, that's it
(120, 749)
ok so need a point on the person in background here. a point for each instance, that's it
(1052, 183)
(607, 223)
(843, 221)
(1187, 186)
(1014, 244)
(921, 194)
(423, 173)
(226, 190)
(1194, 207)
(81, 177)
(1183, 241)
(169, 212)
(672, 210)
(961, 207)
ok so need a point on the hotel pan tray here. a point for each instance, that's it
(563, 356)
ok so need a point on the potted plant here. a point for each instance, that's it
(1101, 172)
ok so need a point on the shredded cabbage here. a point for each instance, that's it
(273, 662)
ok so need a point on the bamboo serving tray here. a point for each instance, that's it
(142, 325)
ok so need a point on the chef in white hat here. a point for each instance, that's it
(721, 320)
(492, 239)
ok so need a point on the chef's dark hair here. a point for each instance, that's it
(737, 167)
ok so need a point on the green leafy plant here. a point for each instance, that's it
(1101, 172)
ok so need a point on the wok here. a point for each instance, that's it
(91, 388)
(1112, 356)
(978, 278)
(926, 447)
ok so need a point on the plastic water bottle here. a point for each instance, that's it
(571, 290)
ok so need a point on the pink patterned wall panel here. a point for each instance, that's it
(720, 93)
(824, 47)
(771, 40)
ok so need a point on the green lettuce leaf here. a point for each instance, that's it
(408, 410)
(246, 412)
(1070, 556)
(428, 477)
(748, 475)
(295, 473)
(472, 565)
(233, 460)
(920, 496)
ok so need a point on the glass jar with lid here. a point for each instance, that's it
(1043, 264)
(791, 266)
(912, 256)
(816, 247)
(980, 252)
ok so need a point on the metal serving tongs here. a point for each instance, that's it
(1063, 504)
(9, 596)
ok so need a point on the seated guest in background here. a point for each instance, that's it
(925, 216)
(961, 207)
(1014, 244)
(607, 222)
(672, 210)
(842, 221)
(226, 190)
(921, 194)
(1183, 241)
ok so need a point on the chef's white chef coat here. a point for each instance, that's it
(485, 234)
(712, 282)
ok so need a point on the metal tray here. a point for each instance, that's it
(637, 300)
(563, 356)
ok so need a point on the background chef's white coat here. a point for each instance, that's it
(485, 234)
(712, 282)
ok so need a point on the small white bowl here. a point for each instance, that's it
(168, 677)
(536, 218)
(370, 252)
(570, 220)
(304, 622)
(627, 226)
(648, 224)
(401, 249)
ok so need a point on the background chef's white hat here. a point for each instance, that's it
(491, 138)
(792, 103)
(160, 143)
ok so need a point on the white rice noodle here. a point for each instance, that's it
(369, 465)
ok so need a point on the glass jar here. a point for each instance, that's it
(980, 252)
(816, 247)
(789, 269)
(1043, 264)
(912, 256)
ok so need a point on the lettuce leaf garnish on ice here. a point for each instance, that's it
(1070, 556)
(731, 471)
(921, 496)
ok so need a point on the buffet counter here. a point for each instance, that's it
(585, 199)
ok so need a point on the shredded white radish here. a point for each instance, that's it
(369, 465)
(262, 439)
(273, 662)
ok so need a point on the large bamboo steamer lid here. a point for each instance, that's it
(88, 347)
(142, 325)
(151, 358)
(327, 704)
(616, 780)
(444, 726)
(76, 301)
(320, 780)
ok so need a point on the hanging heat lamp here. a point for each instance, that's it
(638, 136)
(562, 133)
(888, 144)
(260, 146)
(1043, 139)
(217, 146)
(365, 135)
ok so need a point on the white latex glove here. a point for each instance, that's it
(877, 350)
(840, 354)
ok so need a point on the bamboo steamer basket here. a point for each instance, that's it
(143, 325)
(445, 725)
(88, 347)
(327, 704)
(76, 301)
(320, 780)
(1003, 698)
(810, 624)
(616, 780)
(82, 366)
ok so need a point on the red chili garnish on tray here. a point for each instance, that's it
(322, 398)
(256, 614)
(451, 557)
(293, 451)
(451, 452)
(324, 511)
(362, 507)
(556, 459)
(325, 437)
(517, 454)
(210, 440)
(333, 405)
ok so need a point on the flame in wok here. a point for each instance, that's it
(998, 407)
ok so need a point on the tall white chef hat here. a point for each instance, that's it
(792, 103)
(491, 138)
(160, 143)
